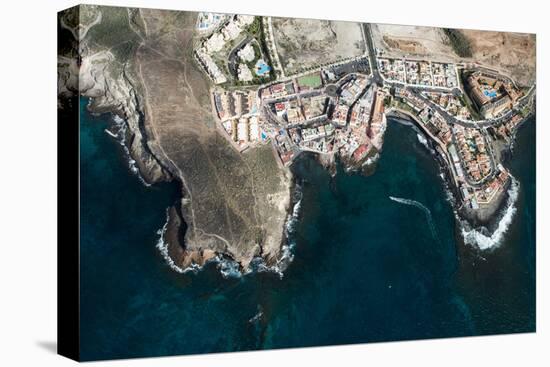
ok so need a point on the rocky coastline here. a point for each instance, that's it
(124, 103)
(183, 259)
(484, 217)
(234, 219)
(204, 223)
(119, 97)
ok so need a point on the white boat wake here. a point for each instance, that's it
(421, 207)
(257, 316)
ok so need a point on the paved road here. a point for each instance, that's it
(277, 61)
(417, 91)
(472, 124)
(232, 58)
(377, 78)
(467, 177)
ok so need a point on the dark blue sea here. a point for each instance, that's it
(366, 268)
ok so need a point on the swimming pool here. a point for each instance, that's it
(262, 68)
(490, 93)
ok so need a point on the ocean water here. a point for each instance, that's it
(366, 267)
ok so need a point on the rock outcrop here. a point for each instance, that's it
(232, 205)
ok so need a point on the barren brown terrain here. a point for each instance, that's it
(223, 207)
(411, 41)
(302, 43)
(139, 65)
(510, 53)
(232, 204)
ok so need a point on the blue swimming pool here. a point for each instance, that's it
(490, 93)
(262, 68)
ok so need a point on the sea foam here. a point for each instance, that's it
(422, 139)
(481, 237)
(287, 250)
(230, 268)
(162, 246)
(120, 136)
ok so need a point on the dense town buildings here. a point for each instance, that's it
(340, 109)
(493, 94)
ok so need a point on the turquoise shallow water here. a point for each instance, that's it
(366, 268)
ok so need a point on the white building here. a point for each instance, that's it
(244, 73)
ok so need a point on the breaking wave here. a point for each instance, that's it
(371, 160)
(162, 246)
(120, 135)
(482, 237)
(230, 268)
(421, 207)
(287, 250)
(422, 139)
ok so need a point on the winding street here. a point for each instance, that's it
(377, 78)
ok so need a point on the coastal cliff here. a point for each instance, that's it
(484, 226)
(232, 206)
(117, 94)
(141, 65)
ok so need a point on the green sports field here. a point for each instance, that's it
(311, 81)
